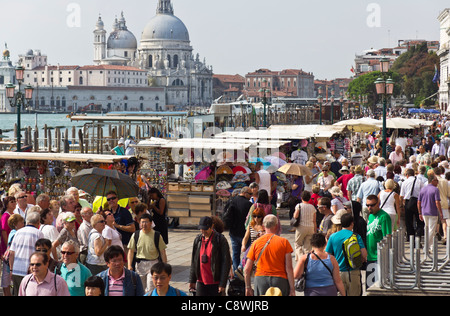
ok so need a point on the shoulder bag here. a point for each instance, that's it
(295, 222)
(260, 254)
(412, 202)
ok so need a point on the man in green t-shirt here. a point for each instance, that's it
(147, 253)
(378, 226)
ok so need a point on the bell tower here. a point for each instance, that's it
(99, 41)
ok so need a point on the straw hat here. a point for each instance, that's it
(373, 159)
(344, 168)
(336, 191)
(273, 291)
(336, 219)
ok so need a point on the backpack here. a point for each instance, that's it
(156, 241)
(352, 252)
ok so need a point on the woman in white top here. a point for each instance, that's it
(325, 181)
(110, 233)
(50, 232)
(390, 202)
(97, 246)
(307, 227)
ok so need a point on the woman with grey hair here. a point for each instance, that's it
(97, 246)
(67, 233)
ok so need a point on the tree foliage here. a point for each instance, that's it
(365, 85)
(417, 68)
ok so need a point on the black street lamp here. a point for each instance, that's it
(265, 93)
(332, 106)
(341, 102)
(386, 89)
(19, 99)
(320, 100)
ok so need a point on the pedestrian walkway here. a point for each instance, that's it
(179, 250)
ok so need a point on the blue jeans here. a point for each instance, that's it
(236, 245)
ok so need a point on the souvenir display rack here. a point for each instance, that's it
(47, 173)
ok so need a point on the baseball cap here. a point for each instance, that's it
(70, 219)
(205, 223)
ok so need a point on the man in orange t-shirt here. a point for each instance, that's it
(274, 267)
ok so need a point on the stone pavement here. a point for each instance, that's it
(179, 250)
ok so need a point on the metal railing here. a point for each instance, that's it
(416, 269)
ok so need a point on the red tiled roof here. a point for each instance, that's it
(230, 78)
(57, 67)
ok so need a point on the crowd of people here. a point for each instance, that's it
(342, 210)
(62, 248)
(339, 213)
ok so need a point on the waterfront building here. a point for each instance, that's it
(229, 88)
(369, 60)
(85, 88)
(292, 83)
(443, 53)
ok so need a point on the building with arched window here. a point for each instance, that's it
(164, 51)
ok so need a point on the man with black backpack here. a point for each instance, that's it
(149, 248)
(350, 252)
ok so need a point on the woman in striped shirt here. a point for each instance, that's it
(307, 227)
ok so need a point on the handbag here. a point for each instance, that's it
(300, 284)
(412, 202)
(295, 222)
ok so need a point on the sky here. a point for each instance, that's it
(234, 36)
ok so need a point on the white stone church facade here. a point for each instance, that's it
(164, 51)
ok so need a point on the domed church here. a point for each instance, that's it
(164, 50)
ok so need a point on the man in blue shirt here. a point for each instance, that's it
(369, 187)
(350, 277)
(161, 275)
(124, 222)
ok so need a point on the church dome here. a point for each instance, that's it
(165, 27)
(122, 39)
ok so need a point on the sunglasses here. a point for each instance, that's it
(44, 250)
(35, 264)
(22, 197)
(102, 222)
(371, 205)
(69, 253)
(111, 198)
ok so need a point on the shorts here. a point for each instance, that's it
(6, 276)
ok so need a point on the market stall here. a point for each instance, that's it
(153, 161)
(49, 173)
(217, 169)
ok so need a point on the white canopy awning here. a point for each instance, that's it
(61, 157)
(286, 132)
